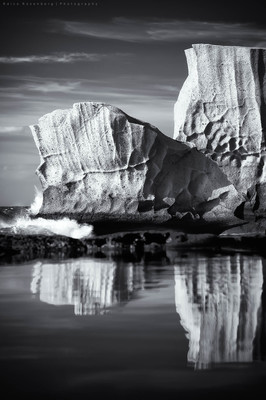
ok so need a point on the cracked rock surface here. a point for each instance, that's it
(96, 160)
(221, 109)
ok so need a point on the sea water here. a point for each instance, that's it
(166, 326)
(157, 324)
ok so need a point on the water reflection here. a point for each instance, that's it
(219, 303)
(220, 300)
(91, 286)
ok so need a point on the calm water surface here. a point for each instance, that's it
(187, 325)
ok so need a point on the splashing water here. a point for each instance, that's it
(64, 226)
(26, 224)
(37, 202)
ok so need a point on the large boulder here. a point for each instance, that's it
(221, 109)
(97, 162)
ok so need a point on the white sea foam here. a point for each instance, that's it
(37, 202)
(32, 226)
(64, 226)
(27, 224)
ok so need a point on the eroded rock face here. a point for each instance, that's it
(96, 160)
(221, 109)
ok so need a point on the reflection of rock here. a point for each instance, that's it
(90, 285)
(97, 162)
(221, 109)
(218, 302)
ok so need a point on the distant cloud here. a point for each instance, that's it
(119, 29)
(50, 86)
(11, 133)
(54, 58)
(25, 98)
(27, 87)
(133, 30)
(10, 129)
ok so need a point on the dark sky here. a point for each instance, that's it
(126, 53)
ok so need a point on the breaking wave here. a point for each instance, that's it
(37, 202)
(25, 223)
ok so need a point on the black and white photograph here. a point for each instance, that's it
(132, 199)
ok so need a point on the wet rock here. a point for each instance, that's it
(154, 237)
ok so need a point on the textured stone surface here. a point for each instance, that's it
(221, 109)
(96, 160)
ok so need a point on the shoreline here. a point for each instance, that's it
(21, 248)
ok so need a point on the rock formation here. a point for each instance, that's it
(96, 161)
(221, 109)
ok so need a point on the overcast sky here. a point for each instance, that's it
(126, 53)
